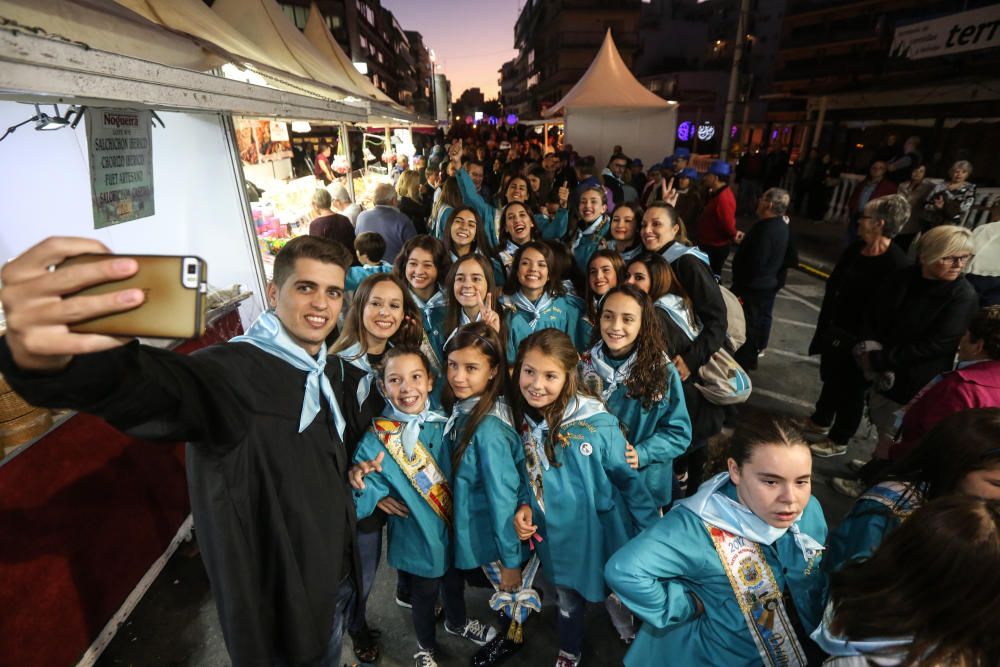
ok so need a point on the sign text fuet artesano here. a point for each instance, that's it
(120, 145)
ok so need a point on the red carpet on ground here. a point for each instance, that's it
(84, 513)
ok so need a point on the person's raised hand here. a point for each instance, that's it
(356, 475)
(669, 193)
(489, 316)
(39, 312)
(563, 195)
(522, 523)
(455, 152)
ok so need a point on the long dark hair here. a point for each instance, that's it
(565, 264)
(934, 579)
(411, 330)
(553, 285)
(557, 345)
(959, 444)
(648, 381)
(452, 318)
(663, 280)
(502, 234)
(480, 243)
(487, 341)
(617, 263)
(427, 243)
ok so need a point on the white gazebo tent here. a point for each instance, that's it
(608, 106)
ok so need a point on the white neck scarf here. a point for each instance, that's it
(356, 358)
(536, 309)
(411, 431)
(611, 377)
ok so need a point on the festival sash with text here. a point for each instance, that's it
(759, 598)
(901, 499)
(422, 470)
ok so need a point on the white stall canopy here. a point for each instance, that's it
(608, 106)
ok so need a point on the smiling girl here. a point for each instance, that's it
(471, 292)
(487, 462)
(640, 386)
(605, 271)
(536, 300)
(403, 465)
(575, 459)
(516, 189)
(518, 228)
(731, 576)
(463, 234)
(625, 231)
(421, 264)
(593, 224)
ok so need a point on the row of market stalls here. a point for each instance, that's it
(138, 122)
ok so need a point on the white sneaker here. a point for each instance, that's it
(827, 448)
(424, 658)
(474, 630)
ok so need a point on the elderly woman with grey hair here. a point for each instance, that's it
(949, 203)
(911, 334)
(854, 283)
(759, 266)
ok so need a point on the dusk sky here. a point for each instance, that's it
(471, 39)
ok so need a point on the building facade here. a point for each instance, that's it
(556, 41)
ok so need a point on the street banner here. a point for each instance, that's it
(956, 33)
(120, 145)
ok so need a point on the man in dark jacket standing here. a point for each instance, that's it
(759, 270)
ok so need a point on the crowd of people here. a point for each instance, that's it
(528, 392)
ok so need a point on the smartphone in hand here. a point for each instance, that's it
(176, 289)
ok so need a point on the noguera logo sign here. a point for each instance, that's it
(956, 33)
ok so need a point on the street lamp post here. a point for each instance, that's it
(734, 78)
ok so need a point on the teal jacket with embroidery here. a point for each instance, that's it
(656, 573)
(487, 486)
(419, 543)
(659, 434)
(582, 525)
(356, 274)
(863, 530)
(585, 245)
(566, 313)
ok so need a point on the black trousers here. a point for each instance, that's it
(758, 309)
(841, 401)
(717, 255)
(424, 596)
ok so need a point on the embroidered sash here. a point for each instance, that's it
(901, 499)
(759, 598)
(422, 470)
(536, 462)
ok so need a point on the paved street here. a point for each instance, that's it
(175, 624)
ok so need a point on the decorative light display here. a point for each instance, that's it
(706, 131)
(512, 119)
(685, 130)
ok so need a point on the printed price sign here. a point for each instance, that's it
(120, 144)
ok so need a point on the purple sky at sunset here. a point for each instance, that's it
(471, 39)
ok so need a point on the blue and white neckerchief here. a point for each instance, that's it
(413, 424)
(536, 438)
(500, 410)
(268, 334)
(580, 408)
(511, 247)
(678, 249)
(631, 253)
(610, 377)
(465, 319)
(881, 647)
(437, 300)
(355, 357)
(674, 306)
(717, 509)
(536, 309)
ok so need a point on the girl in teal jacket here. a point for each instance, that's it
(630, 367)
(731, 576)
(536, 300)
(422, 264)
(403, 466)
(593, 224)
(575, 460)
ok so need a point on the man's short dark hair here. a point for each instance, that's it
(478, 163)
(371, 245)
(309, 247)
(618, 156)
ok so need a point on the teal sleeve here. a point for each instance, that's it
(626, 480)
(442, 215)
(555, 228)
(672, 436)
(645, 573)
(509, 326)
(376, 486)
(355, 275)
(499, 277)
(472, 198)
(583, 329)
(502, 482)
(858, 535)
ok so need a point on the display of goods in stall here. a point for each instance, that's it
(340, 165)
(19, 421)
(274, 245)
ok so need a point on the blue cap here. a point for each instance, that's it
(636, 162)
(656, 167)
(667, 163)
(682, 152)
(689, 172)
(719, 168)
